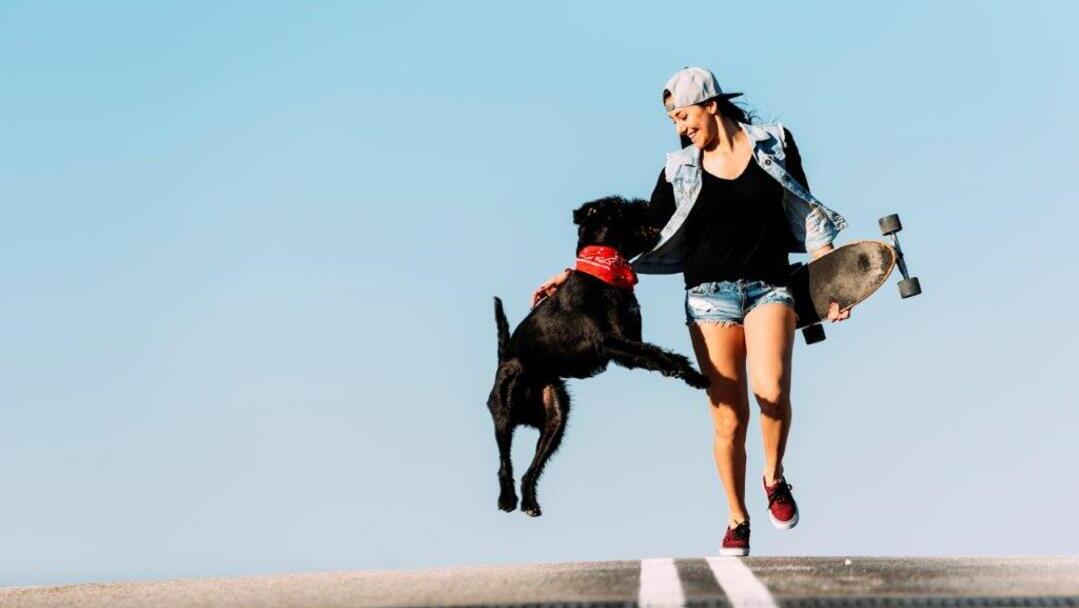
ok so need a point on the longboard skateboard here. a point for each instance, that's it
(847, 275)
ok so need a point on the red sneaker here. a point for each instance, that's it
(782, 509)
(736, 540)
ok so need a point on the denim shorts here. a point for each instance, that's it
(728, 302)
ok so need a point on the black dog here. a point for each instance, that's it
(575, 333)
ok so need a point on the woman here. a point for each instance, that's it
(732, 204)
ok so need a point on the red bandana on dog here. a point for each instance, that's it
(606, 264)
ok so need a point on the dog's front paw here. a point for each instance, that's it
(697, 380)
(507, 501)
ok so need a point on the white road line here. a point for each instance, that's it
(738, 582)
(660, 587)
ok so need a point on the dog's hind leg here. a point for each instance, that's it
(507, 495)
(556, 404)
(500, 403)
(649, 356)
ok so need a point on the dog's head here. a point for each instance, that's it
(616, 222)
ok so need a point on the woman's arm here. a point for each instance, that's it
(794, 167)
(549, 286)
(794, 159)
(820, 230)
(661, 206)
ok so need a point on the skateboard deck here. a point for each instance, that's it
(847, 275)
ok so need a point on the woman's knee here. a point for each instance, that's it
(771, 394)
(724, 389)
(730, 422)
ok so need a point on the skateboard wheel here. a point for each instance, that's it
(813, 334)
(909, 287)
(890, 224)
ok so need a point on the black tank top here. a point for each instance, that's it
(737, 230)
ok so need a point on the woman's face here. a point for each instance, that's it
(697, 122)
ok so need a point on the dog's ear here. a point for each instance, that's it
(583, 212)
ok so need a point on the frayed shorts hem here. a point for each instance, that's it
(727, 303)
(720, 322)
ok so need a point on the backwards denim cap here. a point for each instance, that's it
(691, 86)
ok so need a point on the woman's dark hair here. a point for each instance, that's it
(725, 107)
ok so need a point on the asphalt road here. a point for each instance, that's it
(755, 582)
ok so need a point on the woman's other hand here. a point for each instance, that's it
(834, 314)
(549, 287)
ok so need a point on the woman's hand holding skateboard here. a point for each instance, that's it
(834, 314)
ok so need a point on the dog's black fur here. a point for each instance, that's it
(575, 333)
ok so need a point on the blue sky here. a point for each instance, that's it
(248, 254)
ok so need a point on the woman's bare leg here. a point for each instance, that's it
(769, 336)
(721, 355)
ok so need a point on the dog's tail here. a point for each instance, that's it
(503, 330)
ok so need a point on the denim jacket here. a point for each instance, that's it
(812, 224)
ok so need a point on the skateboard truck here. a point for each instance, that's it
(889, 226)
(813, 334)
